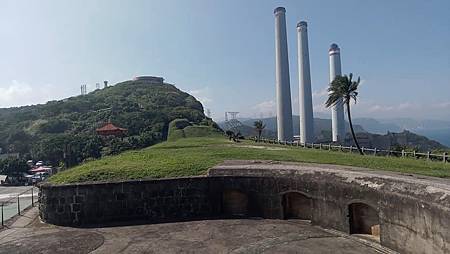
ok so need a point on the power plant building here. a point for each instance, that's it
(337, 111)
(283, 89)
(304, 77)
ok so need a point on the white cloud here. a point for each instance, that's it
(396, 108)
(13, 92)
(269, 108)
(21, 93)
(265, 106)
(378, 108)
(202, 94)
(442, 105)
(403, 109)
(320, 107)
(407, 106)
(364, 108)
(320, 93)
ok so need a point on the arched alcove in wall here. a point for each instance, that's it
(296, 206)
(235, 203)
(364, 219)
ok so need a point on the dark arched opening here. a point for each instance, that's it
(235, 203)
(297, 206)
(364, 219)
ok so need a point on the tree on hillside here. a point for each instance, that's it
(13, 166)
(343, 88)
(92, 148)
(259, 126)
(50, 149)
(117, 146)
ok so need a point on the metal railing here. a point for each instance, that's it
(17, 203)
(444, 157)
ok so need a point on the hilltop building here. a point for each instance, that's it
(150, 79)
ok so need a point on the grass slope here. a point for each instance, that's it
(182, 128)
(193, 156)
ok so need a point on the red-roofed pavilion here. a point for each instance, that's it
(111, 130)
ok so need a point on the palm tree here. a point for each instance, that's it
(230, 134)
(344, 88)
(259, 126)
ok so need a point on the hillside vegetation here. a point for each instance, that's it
(194, 156)
(64, 131)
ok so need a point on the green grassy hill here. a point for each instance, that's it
(67, 127)
(182, 128)
(194, 156)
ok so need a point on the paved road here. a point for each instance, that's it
(8, 197)
(208, 236)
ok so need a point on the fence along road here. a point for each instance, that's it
(15, 199)
(444, 157)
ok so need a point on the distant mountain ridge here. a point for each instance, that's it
(321, 127)
(375, 126)
(370, 132)
(438, 130)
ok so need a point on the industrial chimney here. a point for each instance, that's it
(304, 77)
(283, 89)
(337, 117)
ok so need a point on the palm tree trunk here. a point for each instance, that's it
(351, 128)
(259, 135)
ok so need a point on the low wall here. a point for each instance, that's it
(414, 214)
(151, 201)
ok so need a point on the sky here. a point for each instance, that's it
(223, 51)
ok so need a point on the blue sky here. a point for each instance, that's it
(222, 52)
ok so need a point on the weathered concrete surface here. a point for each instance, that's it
(414, 212)
(213, 236)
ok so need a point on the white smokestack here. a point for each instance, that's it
(338, 122)
(304, 77)
(284, 108)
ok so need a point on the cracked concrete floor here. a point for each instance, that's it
(209, 236)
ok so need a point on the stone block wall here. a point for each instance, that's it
(151, 201)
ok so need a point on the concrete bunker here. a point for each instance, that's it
(296, 206)
(349, 201)
(364, 219)
(235, 203)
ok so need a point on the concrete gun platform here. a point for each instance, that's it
(29, 235)
(406, 213)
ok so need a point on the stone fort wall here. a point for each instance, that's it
(413, 215)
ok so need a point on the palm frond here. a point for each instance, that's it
(342, 87)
